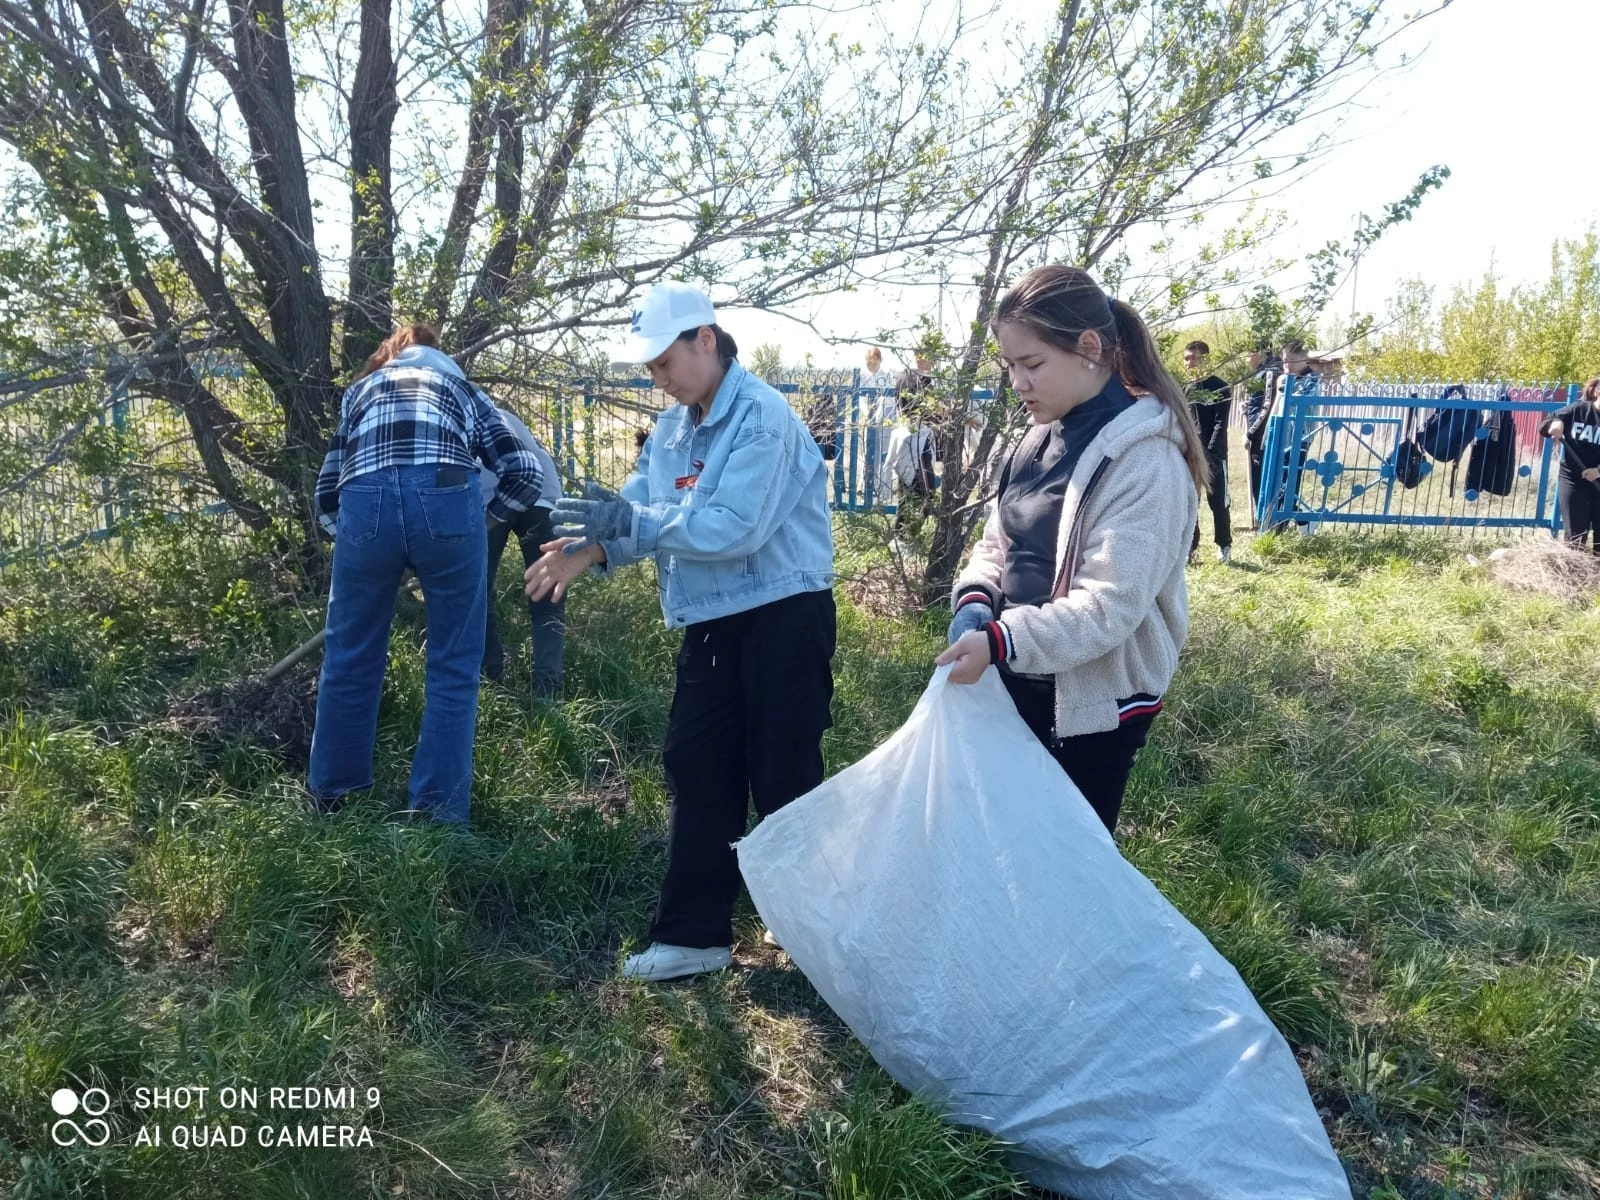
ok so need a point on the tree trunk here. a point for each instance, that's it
(369, 314)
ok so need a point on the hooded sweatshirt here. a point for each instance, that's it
(1120, 612)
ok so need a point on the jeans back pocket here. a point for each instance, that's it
(452, 513)
(360, 511)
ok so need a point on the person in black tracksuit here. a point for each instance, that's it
(1258, 390)
(913, 398)
(1577, 428)
(1209, 400)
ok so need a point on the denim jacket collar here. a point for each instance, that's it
(726, 395)
(722, 404)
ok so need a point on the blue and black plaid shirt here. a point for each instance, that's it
(417, 411)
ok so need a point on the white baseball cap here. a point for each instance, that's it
(667, 310)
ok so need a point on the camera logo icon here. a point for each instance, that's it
(93, 1104)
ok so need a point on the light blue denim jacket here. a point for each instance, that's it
(734, 509)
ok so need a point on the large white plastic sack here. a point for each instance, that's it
(956, 901)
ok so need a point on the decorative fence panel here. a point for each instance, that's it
(1426, 455)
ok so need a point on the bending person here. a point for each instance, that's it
(730, 498)
(533, 529)
(397, 490)
(1076, 590)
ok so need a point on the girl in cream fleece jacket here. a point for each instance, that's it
(1076, 590)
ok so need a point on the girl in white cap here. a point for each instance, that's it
(730, 499)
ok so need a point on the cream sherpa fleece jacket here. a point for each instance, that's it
(1121, 612)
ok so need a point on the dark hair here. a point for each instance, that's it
(727, 348)
(405, 335)
(1591, 390)
(1198, 347)
(1059, 304)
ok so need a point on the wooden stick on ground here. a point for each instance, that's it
(311, 644)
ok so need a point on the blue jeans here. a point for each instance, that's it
(390, 520)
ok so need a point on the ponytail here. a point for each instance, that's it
(1141, 370)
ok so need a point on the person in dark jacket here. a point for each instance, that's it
(1257, 391)
(533, 528)
(914, 400)
(1577, 428)
(1210, 398)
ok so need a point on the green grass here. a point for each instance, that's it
(1376, 788)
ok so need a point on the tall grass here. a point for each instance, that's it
(1376, 787)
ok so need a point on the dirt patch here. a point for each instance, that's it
(882, 589)
(278, 716)
(1549, 569)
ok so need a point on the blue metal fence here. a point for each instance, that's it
(1332, 454)
(589, 426)
(1359, 454)
(581, 431)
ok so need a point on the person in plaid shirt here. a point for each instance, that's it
(398, 490)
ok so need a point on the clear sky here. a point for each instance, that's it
(1502, 94)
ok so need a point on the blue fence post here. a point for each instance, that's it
(850, 403)
(1269, 458)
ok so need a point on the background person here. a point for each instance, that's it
(1076, 590)
(1257, 392)
(875, 414)
(912, 449)
(730, 498)
(397, 490)
(1577, 428)
(1291, 462)
(1209, 402)
(547, 617)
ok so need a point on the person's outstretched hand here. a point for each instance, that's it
(599, 515)
(970, 653)
(553, 574)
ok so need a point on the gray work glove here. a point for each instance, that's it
(969, 617)
(598, 516)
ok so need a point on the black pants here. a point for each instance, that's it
(1256, 444)
(1217, 498)
(1098, 763)
(751, 705)
(1580, 511)
(548, 617)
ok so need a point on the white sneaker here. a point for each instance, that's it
(662, 961)
(766, 936)
(1225, 554)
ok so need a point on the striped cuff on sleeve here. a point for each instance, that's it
(973, 595)
(1000, 646)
